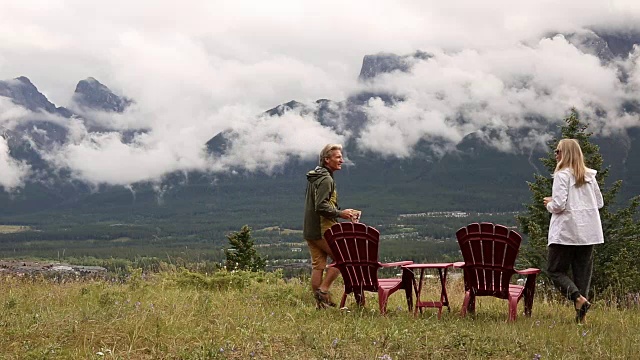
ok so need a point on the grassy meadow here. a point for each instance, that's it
(177, 314)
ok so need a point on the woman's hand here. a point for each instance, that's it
(547, 200)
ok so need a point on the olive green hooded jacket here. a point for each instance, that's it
(320, 187)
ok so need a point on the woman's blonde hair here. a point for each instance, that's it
(327, 151)
(571, 157)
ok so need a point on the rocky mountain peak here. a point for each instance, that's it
(620, 43)
(591, 43)
(286, 107)
(374, 65)
(25, 80)
(91, 94)
(22, 92)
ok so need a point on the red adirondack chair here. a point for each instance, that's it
(355, 251)
(489, 252)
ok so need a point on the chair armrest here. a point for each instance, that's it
(458, 264)
(529, 271)
(397, 263)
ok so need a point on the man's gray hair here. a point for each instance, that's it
(326, 152)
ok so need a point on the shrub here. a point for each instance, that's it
(225, 280)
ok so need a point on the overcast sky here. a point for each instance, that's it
(197, 67)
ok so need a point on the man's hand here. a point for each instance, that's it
(349, 214)
(547, 200)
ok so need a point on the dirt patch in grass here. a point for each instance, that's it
(10, 229)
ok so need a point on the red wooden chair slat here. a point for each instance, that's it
(489, 252)
(355, 250)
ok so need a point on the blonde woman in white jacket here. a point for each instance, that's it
(575, 225)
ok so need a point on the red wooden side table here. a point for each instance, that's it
(417, 286)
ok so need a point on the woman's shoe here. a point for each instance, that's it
(582, 312)
(323, 299)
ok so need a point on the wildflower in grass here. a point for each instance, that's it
(584, 332)
(537, 322)
(385, 357)
(334, 343)
(221, 350)
(537, 357)
(252, 354)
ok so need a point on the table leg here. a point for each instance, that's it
(418, 285)
(418, 290)
(444, 299)
(408, 283)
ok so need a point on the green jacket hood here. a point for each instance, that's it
(317, 173)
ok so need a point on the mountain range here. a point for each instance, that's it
(473, 175)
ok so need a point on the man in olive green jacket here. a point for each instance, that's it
(321, 211)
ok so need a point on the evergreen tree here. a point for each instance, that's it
(242, 255)
(614, 265)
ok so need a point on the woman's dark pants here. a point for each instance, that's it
(578, 258)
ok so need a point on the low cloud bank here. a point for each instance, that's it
(523, 87)
(526, 85)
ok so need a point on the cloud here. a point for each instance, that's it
(206, 39)
(506, 88)
(262, 143)
(394, 131)
(267, 143)
(13, 173)
(10, 114)
(106, 158)
(202, 67)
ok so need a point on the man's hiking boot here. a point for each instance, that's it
(323, 299)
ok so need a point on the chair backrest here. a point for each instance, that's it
(355, 253)
(489, 252)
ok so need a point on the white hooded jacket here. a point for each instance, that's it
(575, 218)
